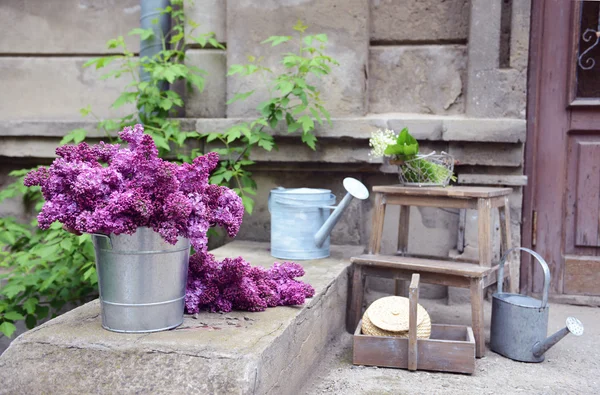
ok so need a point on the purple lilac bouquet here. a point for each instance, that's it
(108, 189)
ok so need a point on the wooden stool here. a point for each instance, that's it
(475, 276)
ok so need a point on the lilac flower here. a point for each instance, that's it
(111, 189)
(107, 189)
(234, 284)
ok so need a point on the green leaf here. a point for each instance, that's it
(144, 34)
(300, 27)
(12, 290)
(276, 40)
(76, 136)
(321, 37)
(310, 140)
(293, 127)
(307, 123)
(248, 203)
(30, 321)
(124, 98)
(13, 316)
(7, 328)
(66, 244)
(315, 114)
(240, 96)
(42, 312)
(30, 305)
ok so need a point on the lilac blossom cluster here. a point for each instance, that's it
(106, 189)
(233, 284)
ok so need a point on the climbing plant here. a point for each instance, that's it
(45, 270)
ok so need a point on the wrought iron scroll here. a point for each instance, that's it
(587, 37)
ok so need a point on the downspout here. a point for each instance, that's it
(150, 10)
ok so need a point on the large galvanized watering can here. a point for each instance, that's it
(301, 222)
(520, 323)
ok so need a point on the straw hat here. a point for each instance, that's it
(389, 317)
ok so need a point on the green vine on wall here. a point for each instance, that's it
(48, 269)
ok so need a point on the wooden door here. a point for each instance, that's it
(562, 201)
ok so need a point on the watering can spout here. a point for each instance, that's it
(355, 189)
(574, 326)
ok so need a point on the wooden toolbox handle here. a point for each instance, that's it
(413, 300)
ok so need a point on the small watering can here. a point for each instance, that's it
(301, 222)
(520, 323)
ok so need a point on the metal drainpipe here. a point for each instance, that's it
(153, 45)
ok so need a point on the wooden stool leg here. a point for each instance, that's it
(356, 299)
(377, 230)
(477, 316)
(484, 219)
(401, 286)
(504, 213)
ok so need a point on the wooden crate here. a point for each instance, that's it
(451, 348)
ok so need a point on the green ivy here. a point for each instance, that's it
(293, 101)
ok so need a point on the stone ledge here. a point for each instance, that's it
(271, 352)
(39, 138)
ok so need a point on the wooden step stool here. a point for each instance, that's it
(475, 276)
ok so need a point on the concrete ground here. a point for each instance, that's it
(571, 367)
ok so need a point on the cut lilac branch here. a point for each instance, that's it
(234, 284)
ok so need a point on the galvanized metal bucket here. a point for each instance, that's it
(297, 214)
(142, 281)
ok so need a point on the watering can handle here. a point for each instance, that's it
(542, 263)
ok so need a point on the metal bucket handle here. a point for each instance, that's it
(542, 263)
(104, 236)
(285, 203)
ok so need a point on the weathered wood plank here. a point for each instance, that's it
(431, 201)
(452, 191)
(422, 265)
(484, 231)
(413, 300)
(377, 228)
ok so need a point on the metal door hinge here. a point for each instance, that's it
(534, 228)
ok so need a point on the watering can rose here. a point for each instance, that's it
(109, 189)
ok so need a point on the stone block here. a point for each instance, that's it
(209, 103)
(56, 88)
(270, 352)
(423, 79)
(487, 154)
(210, 15)
(66, 26)
(519, 34)
(481, 129)
(425, 20)
(344, 21)
(499, 93)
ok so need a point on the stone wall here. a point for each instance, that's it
(454, 72)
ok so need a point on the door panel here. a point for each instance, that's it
(588, 193)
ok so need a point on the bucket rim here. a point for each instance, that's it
(313, 191)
